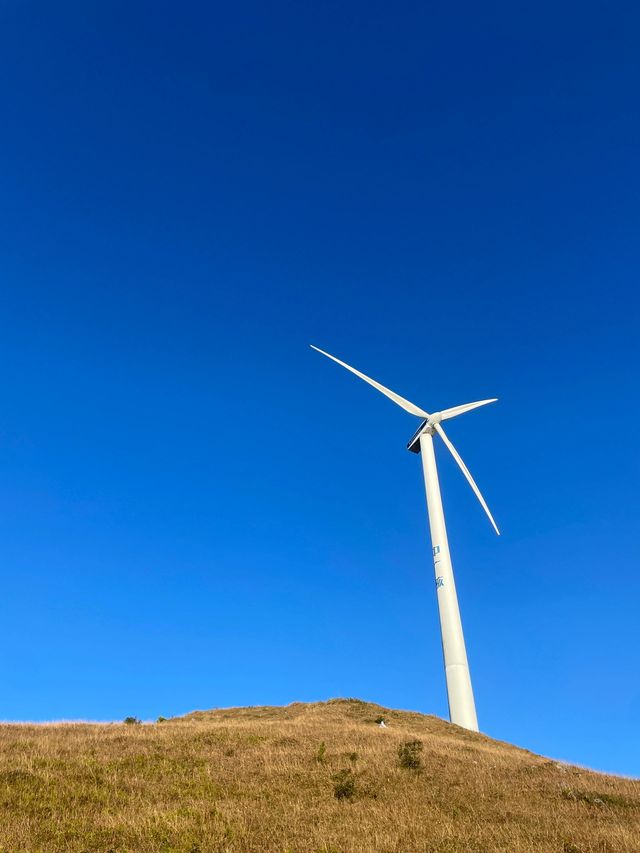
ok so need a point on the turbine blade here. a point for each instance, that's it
(400, 401)
(466, 407)
(466, 473)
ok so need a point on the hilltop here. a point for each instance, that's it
(320, 777)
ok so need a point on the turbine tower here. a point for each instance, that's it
(462, 709)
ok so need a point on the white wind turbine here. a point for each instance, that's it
(462, 709)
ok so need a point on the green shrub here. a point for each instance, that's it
(344, 784)
(321, 753)
(410, 754)
(132, 721)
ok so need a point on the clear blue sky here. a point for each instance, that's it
(196, 509)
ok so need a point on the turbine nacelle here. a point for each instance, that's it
(429, 424)
(414, 441)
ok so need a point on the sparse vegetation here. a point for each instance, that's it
(245, 781)
(596, 799)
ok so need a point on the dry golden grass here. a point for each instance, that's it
(256, 779)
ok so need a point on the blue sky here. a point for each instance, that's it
(196, 509)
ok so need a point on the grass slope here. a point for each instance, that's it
(265, 779)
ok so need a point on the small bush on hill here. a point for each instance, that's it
(410, 754)
(132, 721)
(344, 785)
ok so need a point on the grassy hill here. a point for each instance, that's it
(306, 778)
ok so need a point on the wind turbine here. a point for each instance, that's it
(462, 709)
